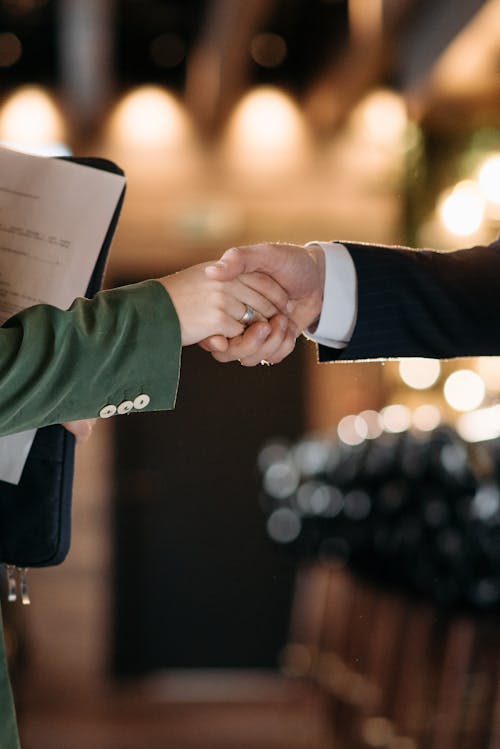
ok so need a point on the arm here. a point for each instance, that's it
(118, 352)
(423, 303)
(58, 366)
(409, 302)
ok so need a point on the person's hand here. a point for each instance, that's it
(211, 307)
(299, 271)
(261, 343)
(81, 429)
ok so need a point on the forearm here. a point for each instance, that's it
(423, 303)
(59, 366)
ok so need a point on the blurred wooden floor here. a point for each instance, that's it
(183, 711)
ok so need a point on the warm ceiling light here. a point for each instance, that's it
(266, 133)
(382, 116)
(149, 118)
(462, 210)
(464, 390)
(419, 373)
(30, 117)
(489, 178)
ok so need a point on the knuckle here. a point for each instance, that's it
(218, 315)
(219, 298)
(268, 309)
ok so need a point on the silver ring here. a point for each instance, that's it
(247, 317)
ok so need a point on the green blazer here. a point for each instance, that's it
(116, 353)
(58, 366)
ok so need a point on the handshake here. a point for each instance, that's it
(252, 304)
(249, 306)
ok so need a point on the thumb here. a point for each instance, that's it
(232, 264)
(215, 343)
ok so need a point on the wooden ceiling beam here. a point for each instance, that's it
(218, 68)
(362, 65)
(462, 89)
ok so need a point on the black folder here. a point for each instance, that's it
(35, 515)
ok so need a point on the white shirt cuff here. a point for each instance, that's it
(339, 311)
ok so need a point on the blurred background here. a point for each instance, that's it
(303, 555)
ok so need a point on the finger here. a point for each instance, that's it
(214, 343)
(236, 307)
(231, 264)
(245, 345)
(269, 289)
(286, 347)
(81, 429)
(238, 260)
(228, 324)
(271, 346)
(254, 299)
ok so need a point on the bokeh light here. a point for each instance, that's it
(464, 390)
(266, 134)
(462, 210)
(373, 422)
(382, 117)
(149, 117)
(268, 50)
(396, 418)
(281, 479)
(480, 425)
(351, 430)
(283, 525)
(419, 373)
(489, 178)
(426, 417)
(488, 367)
(272, 452)
(30, 117)
(10, 49)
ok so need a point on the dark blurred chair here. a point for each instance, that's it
(398, 673)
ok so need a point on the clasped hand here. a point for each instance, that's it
(282, 283)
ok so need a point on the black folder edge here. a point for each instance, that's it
(35, 515)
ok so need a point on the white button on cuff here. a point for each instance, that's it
(125, 407)
(141, 401)
(107, 411)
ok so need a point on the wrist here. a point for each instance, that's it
(170, 284)
(318, 256)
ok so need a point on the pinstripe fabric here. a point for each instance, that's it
(424, 303)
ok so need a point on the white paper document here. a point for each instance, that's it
(54, 216)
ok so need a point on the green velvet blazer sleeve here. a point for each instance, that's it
(62, 365)
(117, 351)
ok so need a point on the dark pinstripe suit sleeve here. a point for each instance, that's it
(424, 303)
